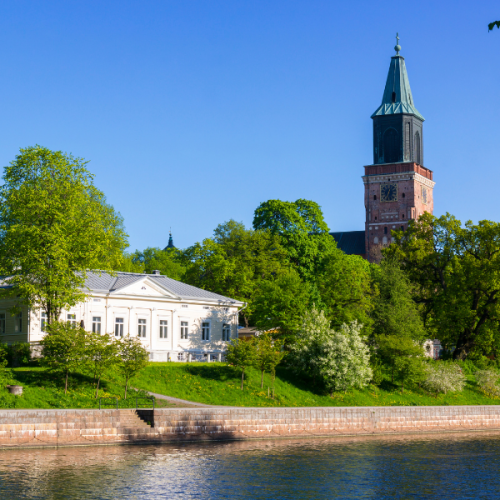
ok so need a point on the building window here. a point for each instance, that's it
(402, 228)
(384, 240)
(375, 240)
(226, 332)
(119, 327)
(18, 326)
(403, 195)
(184, 330)
(43, 321)
(374, 196)
(3, 321)
(180, 356)
(385, 230)
(163, 329)
(96, 324)
(141, 328)
(394, 97)
(71, 319)
(417, 148)
(205, 331)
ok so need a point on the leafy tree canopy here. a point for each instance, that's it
(169, 262)
(55, 225)
(281, 304)
(345, 287)
(456, 273)
(493, 24)
(236, 262)
(394, 310)
(303, 232)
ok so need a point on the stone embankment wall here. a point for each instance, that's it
(33, 428)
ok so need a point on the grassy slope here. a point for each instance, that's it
(220, 385)
(216, 384)
(42, 389)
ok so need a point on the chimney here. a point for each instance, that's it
(156, 272)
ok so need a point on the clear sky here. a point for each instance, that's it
(193, 112)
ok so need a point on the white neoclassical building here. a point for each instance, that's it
(173, 320)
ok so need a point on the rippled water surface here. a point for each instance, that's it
(451, 466)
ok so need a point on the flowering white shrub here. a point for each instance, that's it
(444, 377)
(487, 380)
(340, 359)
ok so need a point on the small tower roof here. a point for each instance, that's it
(170, 241)
(397, 97)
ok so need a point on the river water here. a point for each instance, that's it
(449, 466)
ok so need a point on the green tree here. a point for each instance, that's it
(103, 353)
(302, 230)
(55, 225)
(169, 262)
(345, 287)
(394, 310)
(493, 24)
(399, 353)
(455, 271)
(236, 263)
(281, 304)
(133, 357)
(65, 349)
(241, 354)
(268, 354)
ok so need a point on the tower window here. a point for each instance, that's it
(417, 149)
(403, 195)
(375, 218)
(402, 216)
(374, 196)
(394, 97)
(385, 230)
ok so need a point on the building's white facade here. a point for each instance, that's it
(174, 321)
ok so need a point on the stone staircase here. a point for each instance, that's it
(130, 419)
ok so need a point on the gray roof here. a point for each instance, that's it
(104, 282)
(350, 242)
(397, 98)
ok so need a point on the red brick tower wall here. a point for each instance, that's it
(414, 196)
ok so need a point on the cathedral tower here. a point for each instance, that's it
(397, 186)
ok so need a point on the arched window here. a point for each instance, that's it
(417, 148)
(402, 228)
(374, 196)
(384, 240)
(385, 230)
(407, 142)
(394, 97)
(403, 195)
(391, 146)
(375, 240)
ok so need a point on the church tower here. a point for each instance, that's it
(397, 186)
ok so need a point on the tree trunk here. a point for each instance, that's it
(262, 379)
(66, 383)
(242, 377)
(97, 390)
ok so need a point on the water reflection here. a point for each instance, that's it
(449, 466)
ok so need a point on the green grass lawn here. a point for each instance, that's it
(216, 384)
(219, 384)
(42, 389)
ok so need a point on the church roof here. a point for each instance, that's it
(350, 242)
(397, 98)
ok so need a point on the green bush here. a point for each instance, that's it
(487, 380)
(18, 354)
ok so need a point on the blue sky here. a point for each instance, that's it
(194, 112)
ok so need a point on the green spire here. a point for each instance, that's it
(397, 97)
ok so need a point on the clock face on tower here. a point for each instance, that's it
(389, 192)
